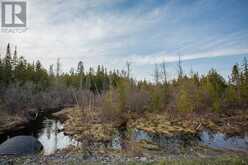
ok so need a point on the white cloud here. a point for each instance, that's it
(96, 32)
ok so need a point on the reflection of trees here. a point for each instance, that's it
(48, 128)
(55, 135)
(53, 138)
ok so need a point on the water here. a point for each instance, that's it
(137, 135)
(53, 138)
(117, 140)
(221, 141)
(214, 140)
(49, 132)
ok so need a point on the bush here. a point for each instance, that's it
(156, 99)
(138, 101)
(187, 99)
(110, 107)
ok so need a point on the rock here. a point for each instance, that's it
(20, 145)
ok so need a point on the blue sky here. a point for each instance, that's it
(205, 33)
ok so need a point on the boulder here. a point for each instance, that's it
(20, 145)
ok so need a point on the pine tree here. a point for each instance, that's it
(38, 66)
(244, 82)
(81, 73)
(235, 75)
(245, 70)
(236, 79)
(214, 86)
(7, 66)
(20, 71)
(15, 58)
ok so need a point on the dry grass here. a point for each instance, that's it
(231, 123)
(86, 125)
(159, 124)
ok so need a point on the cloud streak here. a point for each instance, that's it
(111, 32)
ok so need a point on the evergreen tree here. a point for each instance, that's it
(245, 70)
(7, 67)
(236, 79)
(81, 73)
(235, 75)
(214, 86)
(244, 83)
(20, 71)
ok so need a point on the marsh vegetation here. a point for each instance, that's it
(134, 117)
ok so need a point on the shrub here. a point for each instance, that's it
(188, 97)
(138, 101)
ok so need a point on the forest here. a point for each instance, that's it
(189, 115)
(124, 82)
(26, 85)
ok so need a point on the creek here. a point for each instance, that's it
(49, 131)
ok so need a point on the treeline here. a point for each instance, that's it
(187, 93)
(25, 85)
(14, 69)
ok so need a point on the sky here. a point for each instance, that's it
(205, 33)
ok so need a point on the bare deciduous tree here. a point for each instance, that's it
(128, 64)
(164, 73)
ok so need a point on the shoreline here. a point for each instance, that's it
(144, 152)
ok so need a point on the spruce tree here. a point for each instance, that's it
(7, 67)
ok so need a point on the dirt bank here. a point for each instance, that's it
(10, 123)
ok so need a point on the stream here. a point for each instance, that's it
(53, 138)
(221, 141)
(173, 144)
(49, 131)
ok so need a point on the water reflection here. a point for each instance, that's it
(137, 135)
(219, 140)
(51, 137)
(216, 140)
(159, 139)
